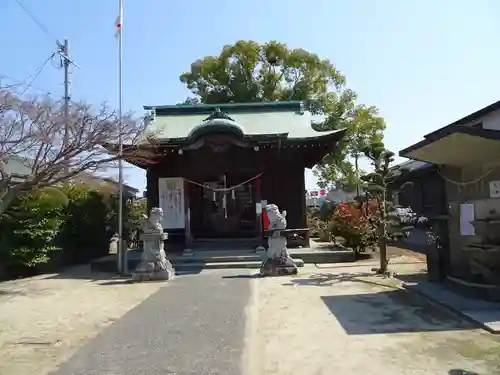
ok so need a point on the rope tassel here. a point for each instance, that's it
(233, 195)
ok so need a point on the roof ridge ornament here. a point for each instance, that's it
(218, 114)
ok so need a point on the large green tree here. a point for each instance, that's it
(364, 127)
(248, 71)
(251, 72)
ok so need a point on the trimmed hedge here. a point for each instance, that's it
(53, 227)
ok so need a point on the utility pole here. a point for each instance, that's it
(66, 62)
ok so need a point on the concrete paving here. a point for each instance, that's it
(194, 325)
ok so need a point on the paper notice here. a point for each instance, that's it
(467, 229)
(467, 216)
(467, 212)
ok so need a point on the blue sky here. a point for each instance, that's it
(423, 63)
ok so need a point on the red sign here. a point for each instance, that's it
(322, 192)
(314, 193)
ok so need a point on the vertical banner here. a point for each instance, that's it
(171, 198)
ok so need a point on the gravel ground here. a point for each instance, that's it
(344, 320)
(196, 325)
(337, 319)
(45, 319)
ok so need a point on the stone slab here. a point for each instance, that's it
(486, 314)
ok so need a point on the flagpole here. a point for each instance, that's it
(122, 252)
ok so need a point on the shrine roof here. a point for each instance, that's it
(192, 109)
(178, 122)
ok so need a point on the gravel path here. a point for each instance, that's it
(344, 320)
(45, 319)
(195, 325)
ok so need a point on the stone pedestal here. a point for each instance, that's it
(278, 267)
(154, 263)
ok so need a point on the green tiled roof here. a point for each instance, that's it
(178, 122)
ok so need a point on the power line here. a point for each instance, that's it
(34, 18)
(28, 80)
(37, 73)
(21, 83)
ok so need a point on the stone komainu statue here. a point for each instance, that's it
(278, 260)
(154, 263)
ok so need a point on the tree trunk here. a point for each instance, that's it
(7, 199)
(384, 261)
(356, 168)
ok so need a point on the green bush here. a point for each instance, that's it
(85, 234)
(29, 229)
(91, 219)
(68, 225)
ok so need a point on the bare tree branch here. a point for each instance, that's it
(32, 133)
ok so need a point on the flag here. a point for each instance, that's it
(119, 22)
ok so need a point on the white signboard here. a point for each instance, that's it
(494, 189)
(467, 216)
(171, 194)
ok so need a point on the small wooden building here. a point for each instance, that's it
(426, 193)
(466, 157)
(212, 168)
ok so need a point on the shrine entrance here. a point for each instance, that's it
(226, 207)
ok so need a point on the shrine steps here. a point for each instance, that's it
(230, 244)
(198, 260)
(221, 259)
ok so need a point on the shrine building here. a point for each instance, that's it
(212, 168)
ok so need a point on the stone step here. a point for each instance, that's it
(224, 257)
(196, 258)
(216, 256)
(225, 265)
(110, 266)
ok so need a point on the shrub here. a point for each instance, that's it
(85, 232)
(29, 229)
(352, 222)
(91, 219)
(55, 226)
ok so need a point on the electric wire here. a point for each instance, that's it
(34, 18)
(37, 73)
(21, 83)
(31, 78)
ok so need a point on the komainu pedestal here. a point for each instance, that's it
(278, 261)
(154, 263)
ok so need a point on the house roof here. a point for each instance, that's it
(456, 146)
(457, 129)
(251, 120)
(412, 165)
(17, 168)
(86, 177)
